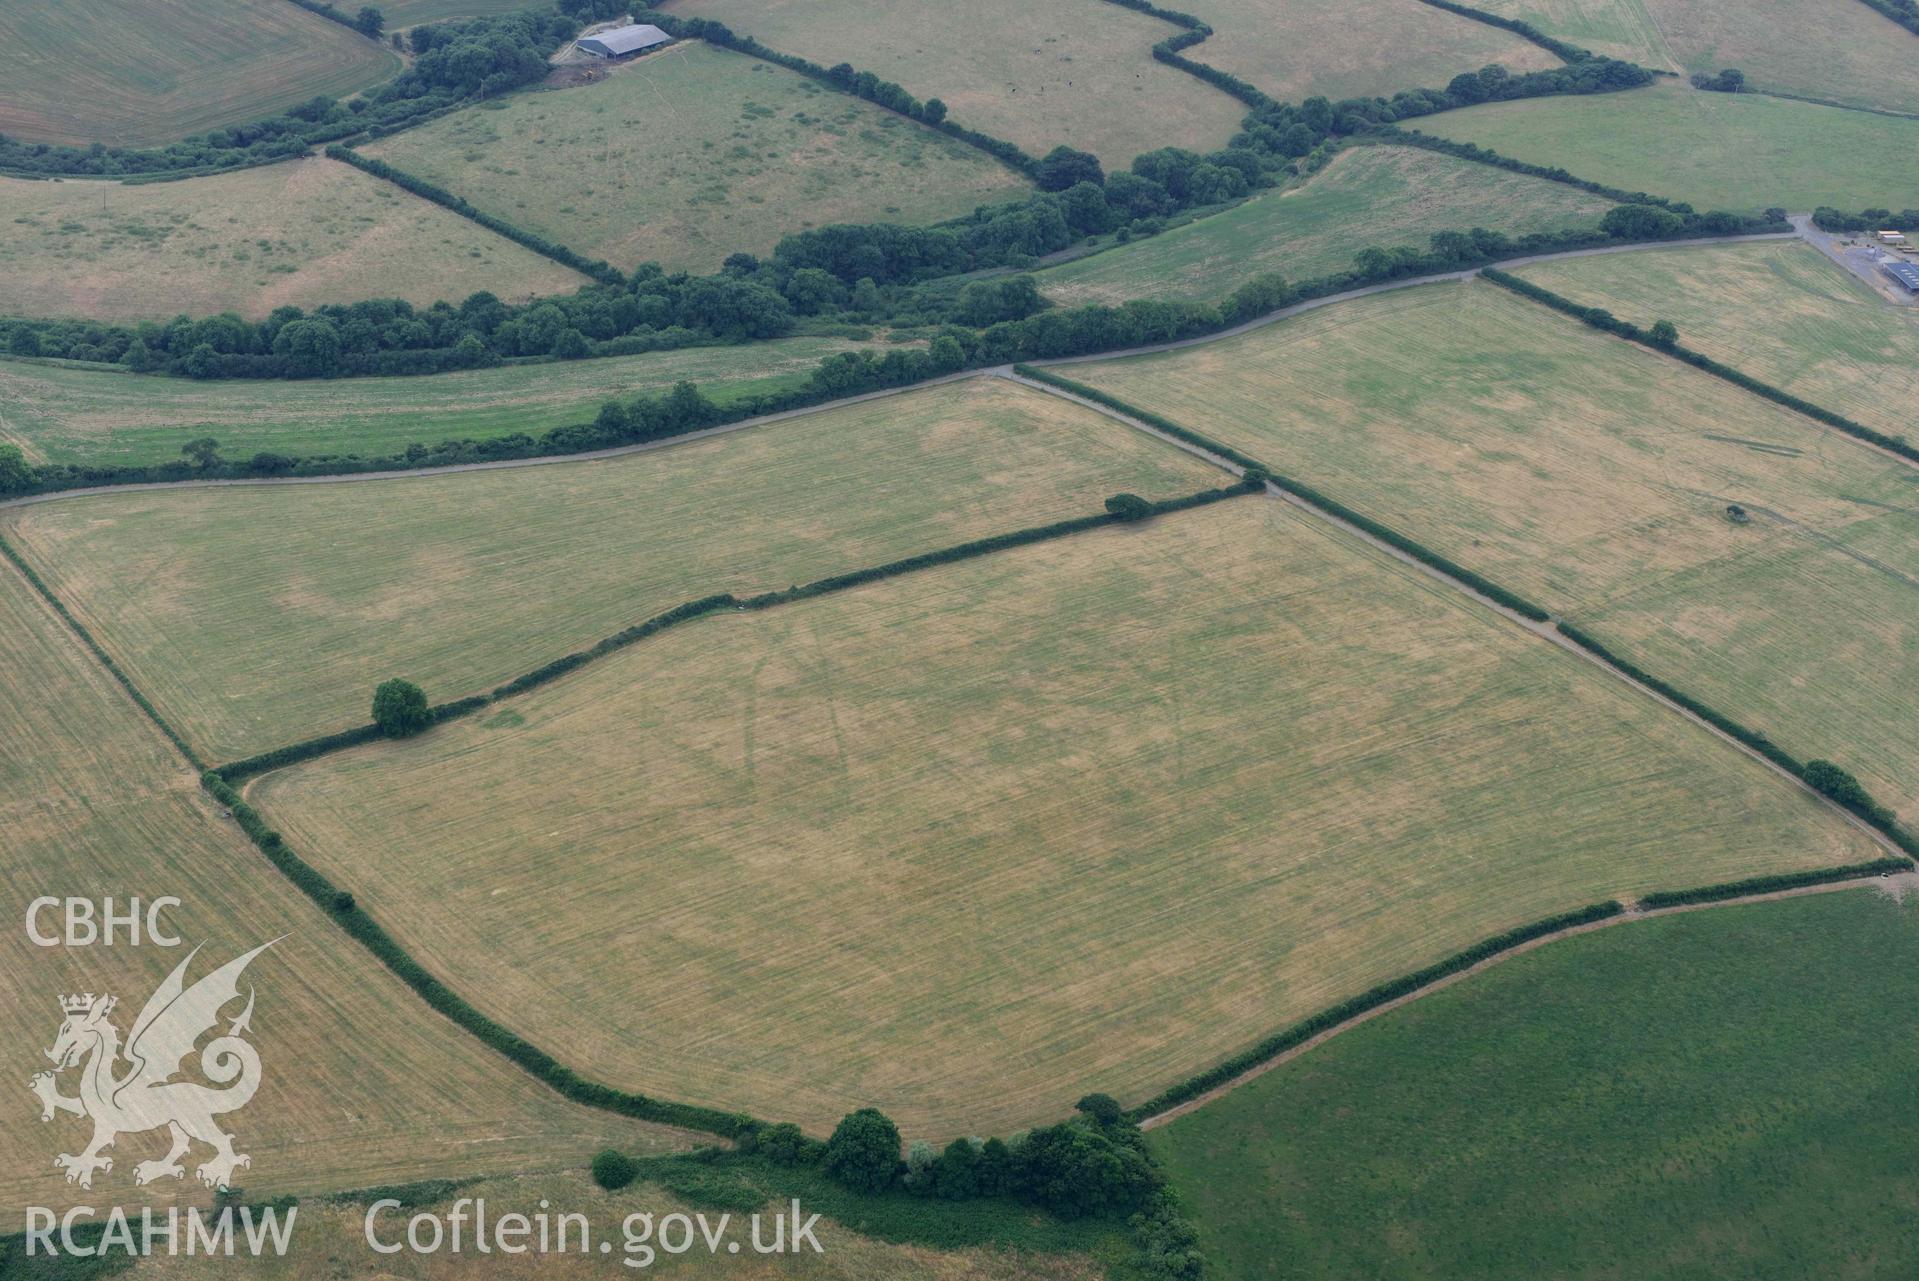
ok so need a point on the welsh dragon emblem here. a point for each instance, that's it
(145, 1095)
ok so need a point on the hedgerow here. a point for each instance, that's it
(1601, 319)
(1769, 884)
(1384, 994)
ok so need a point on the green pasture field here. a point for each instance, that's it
(259, 615)
(64, 414)
(1374, 48)
(694, 153)
(970, 843)
(138, 73)
(1594, 476)
(1615, 28)
(412, 13)
(1367, 196)
(1780, 311)
(1040, 73)
(1712, 1094)
(363, 1084)
(299, 233)
(1713, 150)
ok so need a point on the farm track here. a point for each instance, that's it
(993, 371)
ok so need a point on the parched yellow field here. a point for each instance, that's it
(1041, 73)
(695, 153)
(260, 615)
(362, 1082)
(1614, 28)
(1594, 476)
(295, 234)
(1298, 49)
(1838, 50)
(1780, 311)
(1088, 815)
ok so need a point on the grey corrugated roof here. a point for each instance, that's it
(1906, 274)
(627, 39)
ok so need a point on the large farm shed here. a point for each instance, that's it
(1906, 274)
(624, 42)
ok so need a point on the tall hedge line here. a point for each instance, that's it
(106, 660)
(1385, 533)
(1769, 884)
(1383, 994)
(600, 270)
(1558, 48)
(1601, 319)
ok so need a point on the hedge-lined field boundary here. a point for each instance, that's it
(106, 660)
(1487, 156)
(1383, 994)
(687, 611)
(1560, 49)
(1903, 12)
(860, 84)
(596, 268)
(1601, 319)
(1772, 884)
(1385, 533)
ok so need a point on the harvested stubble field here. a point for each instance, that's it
(363, 1083)
(1040, 73)
(137, 73)
(1616, 28)
(1713, 1094)
(694, 153)
(329, 1242)
(1088, 815)
(1367, 196)
(1780, 311)
(1307, 48)
(1838, 50)
(1714, 150)
(297, 234)
(1594, 476)
(76, 415)
(259, 615)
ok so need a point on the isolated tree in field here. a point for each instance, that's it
(1129, 507)
(613, 1170)
(1664, 333)
(399, 708)
(369, 22)
(864, 1152)
(205, 452)
(15, 475)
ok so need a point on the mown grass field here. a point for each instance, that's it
(411, 13)
(1593, 477)
(1374, 48)
(329, 1242)
(257, 616)
(1714, 1094)
(1713, 150)
(1616, 28)
(143, 72)
(692, 154)
(1041, 73)
(296, 234)
(362, 1083)
(1838, 50)
(1782, 312)
(968, 844)
(66, 414)
(1367, 196)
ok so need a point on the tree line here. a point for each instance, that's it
(1826, 218)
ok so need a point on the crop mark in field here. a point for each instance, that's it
(1834, 544)
(1760, 446)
